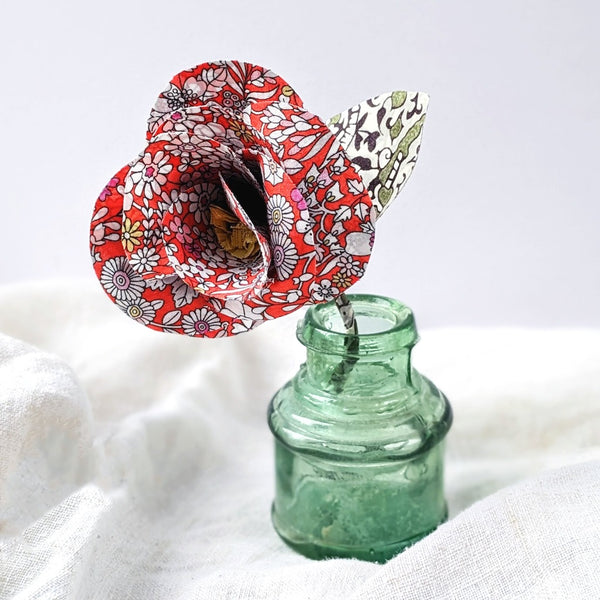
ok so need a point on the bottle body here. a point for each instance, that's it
(359, 462)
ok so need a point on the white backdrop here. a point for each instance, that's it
(500, 222)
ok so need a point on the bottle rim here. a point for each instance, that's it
(322, 328)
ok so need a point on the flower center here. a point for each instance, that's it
(276, 216)
(201, 326)
(149, 171)
(278, 255)
(121, 280)
(134, 311)
(234, 237)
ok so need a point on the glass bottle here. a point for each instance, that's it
(359, 437)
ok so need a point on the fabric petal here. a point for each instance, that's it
(330, 193)
(229, 84)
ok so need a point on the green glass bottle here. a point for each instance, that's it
(359, 437)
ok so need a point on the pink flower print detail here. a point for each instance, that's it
(181, 230)
(297, 197)
(106, 192)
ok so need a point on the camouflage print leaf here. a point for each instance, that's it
(382, 137)
(372, 140)
(363, 162)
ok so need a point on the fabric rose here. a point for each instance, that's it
(242, 207)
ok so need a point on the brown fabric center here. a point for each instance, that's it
(234, 237)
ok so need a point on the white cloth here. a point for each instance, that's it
(144, 470)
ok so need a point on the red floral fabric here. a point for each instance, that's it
(235, 135)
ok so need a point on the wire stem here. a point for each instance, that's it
(344, 368)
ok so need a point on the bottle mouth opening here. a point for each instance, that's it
(384, 324)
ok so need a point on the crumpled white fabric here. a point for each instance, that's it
(143, 470)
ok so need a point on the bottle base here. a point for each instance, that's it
(372, 553)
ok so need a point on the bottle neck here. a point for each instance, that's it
(374, 364)
(355, 376)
